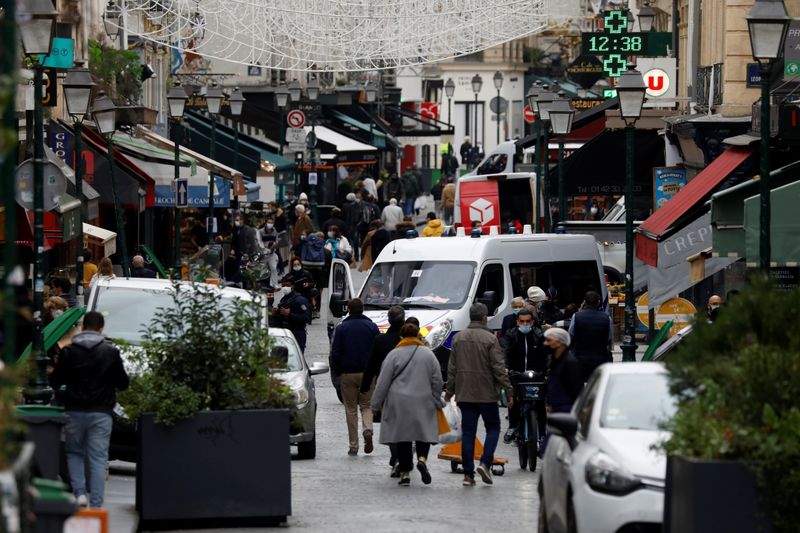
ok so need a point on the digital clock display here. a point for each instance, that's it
(609, 43)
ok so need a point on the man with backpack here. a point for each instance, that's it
(411, 187)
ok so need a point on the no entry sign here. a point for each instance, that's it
(527, 114)
(296, 118)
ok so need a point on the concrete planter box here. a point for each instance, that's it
(218, 469)
(702, 496)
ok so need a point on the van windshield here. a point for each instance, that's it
(419, 284)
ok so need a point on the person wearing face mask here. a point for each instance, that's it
(510, 320)
(268, 238)
(292, 311)
(338, 245)
(712, 309)
(245, 238)
(550, 313)
(564, 381)
(523, 350)
(536, 297)
(303, 281)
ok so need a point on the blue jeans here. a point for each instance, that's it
(469, 428)
(88, 435)
(408, 206)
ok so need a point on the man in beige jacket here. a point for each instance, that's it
(448, 201)
(475, 374)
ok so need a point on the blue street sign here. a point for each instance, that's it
(753, 75)
(182, 192)
(196, 194)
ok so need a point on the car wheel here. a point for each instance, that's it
(307, 450)
(572, 524)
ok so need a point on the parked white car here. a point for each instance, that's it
(600, 473)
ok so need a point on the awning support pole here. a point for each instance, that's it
(177, 132)
(538, 167)
(764, 243)
(126, 271)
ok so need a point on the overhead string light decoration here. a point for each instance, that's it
(334, 35)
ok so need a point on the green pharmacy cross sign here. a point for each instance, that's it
(615, 43)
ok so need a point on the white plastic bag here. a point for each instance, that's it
(420, 203)
(453, 415)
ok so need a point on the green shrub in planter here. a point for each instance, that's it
(200, 355)
(737, 381)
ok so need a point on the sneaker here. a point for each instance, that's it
(368, 441)
(405, 479)
(83, 501)
(395, 471)
(469, 481)
(352, 451)
(486, 473)
(424, 472)
(510, 435)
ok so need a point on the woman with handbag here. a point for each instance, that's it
(408, 392)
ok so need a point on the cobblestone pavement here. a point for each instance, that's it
(337, 492)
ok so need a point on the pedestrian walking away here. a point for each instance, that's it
(92, 371)
(475, 374)
(138, 270)
(408, 392)
(591, 329)
(564, 382)
(434, 227)
(350, 350)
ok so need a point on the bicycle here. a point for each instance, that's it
(529, 393)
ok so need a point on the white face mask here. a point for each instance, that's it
(270, 226)
(297, 268)
(238, 223)
(57, 313)
(331, 235)
(284, 291)
(593, 210)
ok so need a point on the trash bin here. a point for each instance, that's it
(45, 423)
(52, 505)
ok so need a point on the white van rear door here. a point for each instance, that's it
(340, 287)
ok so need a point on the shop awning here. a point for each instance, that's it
(342, 143)
(658, 225)
(784, 227)
(378, 137)
(727, 211)
(101, 237)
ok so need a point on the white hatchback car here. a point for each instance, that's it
(600, 473)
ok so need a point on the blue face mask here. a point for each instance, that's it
(516, 311)
(524, 329)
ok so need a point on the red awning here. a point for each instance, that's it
(653, 229)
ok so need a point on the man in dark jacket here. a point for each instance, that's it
(394, 188)
(550, 313)
(350, 351)
(336, 220)
(524, 351)
(138, 270)
(475, 373)
(293, 312)
(92, 370)
(564, 383)
(591, 329)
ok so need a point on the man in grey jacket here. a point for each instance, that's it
(475, 374)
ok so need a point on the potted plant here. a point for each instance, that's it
(734, 450)
(213, 423)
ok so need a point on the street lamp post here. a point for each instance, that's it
(295, 93)
(214, 98)
(36, 20)
(545, 100)
(498, 84)
(312, 92)
(533, 96)
(561, 116)
(768, 23)
(78, 90)
(477, 84)
(449, 90)
(631, 90)
(237, 103)
(176, 101)
(104, 114)
(281, 101)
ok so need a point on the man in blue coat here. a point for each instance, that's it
(350, 351)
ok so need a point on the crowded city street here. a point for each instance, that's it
(400, 265)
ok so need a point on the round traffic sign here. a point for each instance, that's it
(528, 115)
(679, 310)
(642, 309)
(296, 118)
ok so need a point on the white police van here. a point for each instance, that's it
(437, 279)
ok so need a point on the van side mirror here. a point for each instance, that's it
(338, 304)
(564, 425)
(488, 298)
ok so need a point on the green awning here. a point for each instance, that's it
(727, 211)
(784, 226)
(378, 137)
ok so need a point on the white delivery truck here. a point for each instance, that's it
(437, 279)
